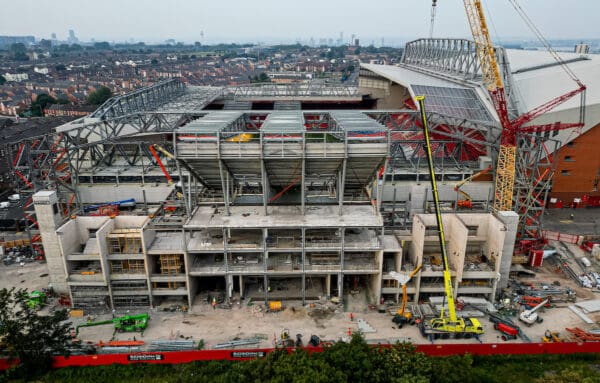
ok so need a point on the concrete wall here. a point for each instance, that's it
(75, 232)
(103, 247)
(414, 193)
(388, 94)
(101, 193)
(130, 221)
(68, 237)
(510, 219)
(495, 235)
(46, 202)
(457, 244)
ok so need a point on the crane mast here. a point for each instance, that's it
(505, 168)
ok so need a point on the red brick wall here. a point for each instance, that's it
(578, 168)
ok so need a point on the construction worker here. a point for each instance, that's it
(351, 317)
(214, 303)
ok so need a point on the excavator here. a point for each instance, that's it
(446, 326)
(404, 316)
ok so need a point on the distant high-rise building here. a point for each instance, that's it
(72, 39)
(356, 42)
(53, 36)
(6, 41)
(582, 48)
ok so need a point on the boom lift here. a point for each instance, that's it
(530, 316)
(403, 316)
(449, 326)
(128, 323)
(467, 202)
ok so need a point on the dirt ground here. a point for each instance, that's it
(31, 276)
(243, 321)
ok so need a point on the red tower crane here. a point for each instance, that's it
(505, 169)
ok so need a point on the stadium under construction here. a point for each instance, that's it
(174, 193)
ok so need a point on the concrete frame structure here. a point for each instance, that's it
(263, 199)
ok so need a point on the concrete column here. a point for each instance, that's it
(49, 219)
(241, 286)
(510, 219)
(229, 286)
(341, 287)
(224, 187)
(342, 184)
(328, 285)
(265, 183)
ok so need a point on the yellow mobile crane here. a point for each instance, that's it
(446, 326)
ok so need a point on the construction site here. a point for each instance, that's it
(408, 208)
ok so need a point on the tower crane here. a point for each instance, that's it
(433, 9)
(492, 78)
(450, 325)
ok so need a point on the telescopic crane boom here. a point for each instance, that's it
(446, 325)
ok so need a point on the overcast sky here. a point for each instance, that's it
(286, 20)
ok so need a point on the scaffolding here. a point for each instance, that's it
(90, 298)
(128, 266)
(124, 241)
(170, 264)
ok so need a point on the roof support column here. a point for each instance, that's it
(224, 186)
(302, 184)
(342, 183)
(265, 185)
(380, 188)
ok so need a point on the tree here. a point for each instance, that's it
(99, 96)
(19, 52)
(2, 80)
(36, 109)
(102, 45)
(31, 337)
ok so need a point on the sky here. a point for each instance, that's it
(273, 21)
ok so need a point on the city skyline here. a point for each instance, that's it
(270, 21)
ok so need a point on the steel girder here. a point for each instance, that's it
(457, 142)
(456, 57)
(313, 89)
(40, 163)
(144, 99)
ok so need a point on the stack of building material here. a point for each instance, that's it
(172, 345)
(583, 336)
(364, 327)
(118, 350)
(480, 305)
(235, 343)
